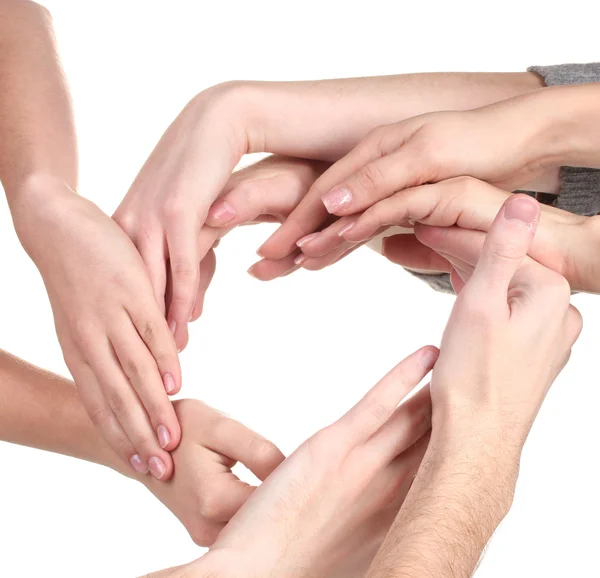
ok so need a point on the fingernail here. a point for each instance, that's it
(259, 252)
(336, 199)
(157, 468)
(306, 239)
(138, 465)
(521, 210)
(429, 358)
(300, 259)
(173, 327)
(345, 229)
(168, 382)
(223, 212)
(252, 272)
(163, 436)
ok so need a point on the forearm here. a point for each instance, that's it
(572, 116)
(457, 500)
(42, 410)
(325, 119)
(36, 123)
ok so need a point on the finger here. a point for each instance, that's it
(126, 406)
(310, 214)
(334, 256)
(153, 253)
(207, 272)
(463, 244)
(141, 370)
(462, 201)
(403, 469)
(324, 242)
(103, 418)
(457, 281)
(256, 198)
(182, 241)
(267, 270)
(228, 497)
(408, 251)
(506, 245)
(369, 414)
(377, 180)
(154, 331)
(241, 444)
(408, 423)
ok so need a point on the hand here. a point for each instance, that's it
(114, 339)
(509, 335)
(503, 143)
(326, 509)
(267, 191)
(203, 492)
(167, 204)
(562, 242)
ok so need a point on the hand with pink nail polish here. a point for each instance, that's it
(265, 192)
(114, 338)
(507, 143)
(326, 509)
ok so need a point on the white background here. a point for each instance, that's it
(289, 356)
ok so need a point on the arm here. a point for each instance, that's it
(42, 410)
(498, 359)
(36, 122)
(168, 202)
(93, 275)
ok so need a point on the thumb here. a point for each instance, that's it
(506, 244)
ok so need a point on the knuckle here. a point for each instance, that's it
(379, 412)
(174, 208)
(116, 402)
(183, 269)
(560, 288)
(370, 178)
(100, 415)
(265, 452)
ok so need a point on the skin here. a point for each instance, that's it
(533, 134)
(114, 337)
(168, 203)
(497, 360)
(43, 410)
(362, 465)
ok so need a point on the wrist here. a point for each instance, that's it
(480, 456)
(36, 201)
(570, 123)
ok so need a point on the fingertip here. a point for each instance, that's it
(429, 356)
(172, 386)
(220, 214)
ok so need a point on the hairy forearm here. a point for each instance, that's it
(42, 410)
(37, 132)
(325, 119)
(457, 500)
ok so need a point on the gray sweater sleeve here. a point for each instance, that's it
(579, 188)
